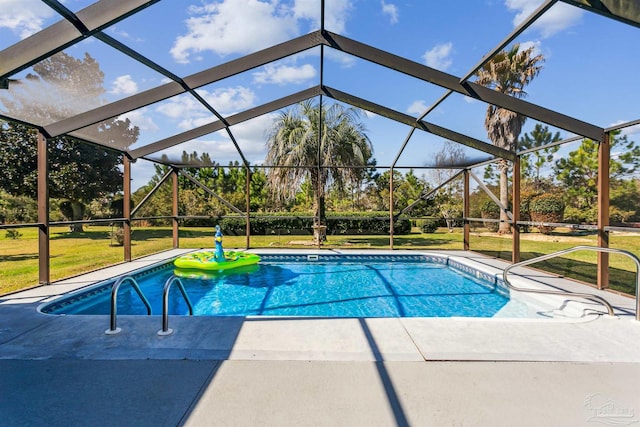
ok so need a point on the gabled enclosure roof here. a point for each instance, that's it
(208, 77)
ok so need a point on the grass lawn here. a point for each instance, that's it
(76, 253)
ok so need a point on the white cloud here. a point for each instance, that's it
(417, 108)
(141, 173)
(181, 106)
(250, 136)
(629, 131)
(307, 9)
(244, 26)
(560, 17)
(344, 59)
(219, 148)
(284, 74)
(191, 113)
(189, 122)
(536, 45)
(234, 26)
(439, 56)
(336, 13)
(230, 100)
(124, 85)
(557, 19)
(391, 10)
(24, 17)
(123, 34)
(523, 9)
(141, 119)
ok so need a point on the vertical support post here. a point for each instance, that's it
(320, 189)
(321, 208)
(515, 249)
(391, 210)
(44, 271)
(248, 207)
(603, 210)
(126, 207)
(174, 209)
(465, 213)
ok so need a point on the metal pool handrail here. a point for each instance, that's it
(114, 302)
(165, 304)
(592, 297)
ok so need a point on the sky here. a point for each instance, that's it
(590, 68)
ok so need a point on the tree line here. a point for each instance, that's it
(229, 183)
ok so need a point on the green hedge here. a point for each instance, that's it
(301, 224)
(547, 204)
(430, 227)
(547, 207)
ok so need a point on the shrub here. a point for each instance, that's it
(548, 203)
(13, 234)
(547, 207)
(17, 209)
(525, 210)
(117, 235)
(619, 216)
(430, 226)
(490, 210)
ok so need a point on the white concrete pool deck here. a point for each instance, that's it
(576, 368)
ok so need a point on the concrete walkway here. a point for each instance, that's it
(64, 392)
(564, 371)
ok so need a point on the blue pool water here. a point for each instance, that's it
(292, 288)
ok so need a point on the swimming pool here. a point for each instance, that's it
(301, 285)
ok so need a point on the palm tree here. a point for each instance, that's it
(508, 72)
(316, 144)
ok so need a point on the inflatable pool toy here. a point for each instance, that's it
(219, 254)
(217, 260)
(206, 260)
(190, 273)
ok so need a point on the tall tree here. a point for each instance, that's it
(532, 163)
(382, 184)
(449, 199)
(228, 183)
(78, 172)
(259, 193)
(508, 72)
(578, 172)
(409, 190)
(317, 143)
(450, 155)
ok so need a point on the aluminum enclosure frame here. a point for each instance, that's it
(91, 21)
